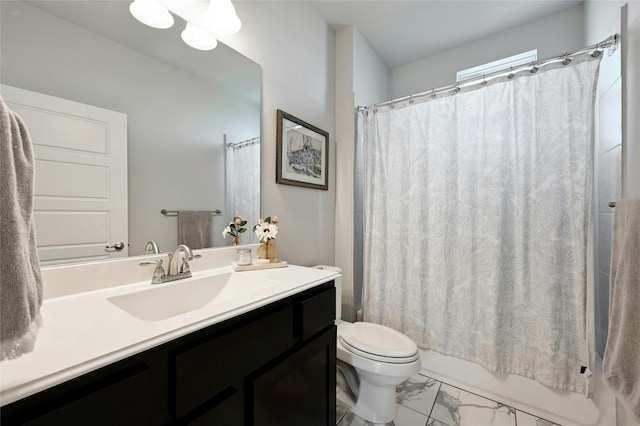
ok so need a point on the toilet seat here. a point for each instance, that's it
(379, 343)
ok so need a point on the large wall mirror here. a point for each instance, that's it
(183, 108)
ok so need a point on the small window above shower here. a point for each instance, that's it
(499, 65)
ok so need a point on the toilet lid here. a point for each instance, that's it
(378, 342)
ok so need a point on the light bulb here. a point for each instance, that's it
(151, 13)
(197, 38)
(221, 17)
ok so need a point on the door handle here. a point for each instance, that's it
(117, 246)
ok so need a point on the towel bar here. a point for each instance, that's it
(175, 212)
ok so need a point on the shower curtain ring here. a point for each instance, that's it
(567, 59)
(433, 93)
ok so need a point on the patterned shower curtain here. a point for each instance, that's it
(243, 185)
(478, 222)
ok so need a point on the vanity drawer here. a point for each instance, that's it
(204, 370)
(317, 311)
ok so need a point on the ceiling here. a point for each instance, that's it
(401, 31)
(405, 31)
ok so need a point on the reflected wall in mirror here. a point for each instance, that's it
(182, 106)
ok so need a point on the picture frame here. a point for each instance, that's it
(302, 153)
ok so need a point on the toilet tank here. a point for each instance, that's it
(338, 281)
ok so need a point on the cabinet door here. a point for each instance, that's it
(122, 399)
(301, 389)
(229, 411)
(206, 369)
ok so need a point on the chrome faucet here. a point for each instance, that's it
(174, 260)
(178, 265)
(152, 247)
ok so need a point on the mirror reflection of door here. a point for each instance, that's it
(81, 176)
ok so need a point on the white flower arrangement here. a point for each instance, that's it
(235, 227)
(266, 229)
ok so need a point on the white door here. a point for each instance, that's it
(80, 205)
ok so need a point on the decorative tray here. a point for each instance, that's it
(256, 266)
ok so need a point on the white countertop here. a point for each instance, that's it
(83, 332)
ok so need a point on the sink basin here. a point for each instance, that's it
(178, 297)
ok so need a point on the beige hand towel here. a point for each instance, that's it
(20, 279)
(194, 228)
(621, 364)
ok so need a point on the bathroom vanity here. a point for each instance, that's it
(263, 358)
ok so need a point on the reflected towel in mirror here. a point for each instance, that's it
(194, 228)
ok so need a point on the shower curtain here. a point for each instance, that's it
(243, 184)
(478, 222)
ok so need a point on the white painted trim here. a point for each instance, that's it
(501, 64)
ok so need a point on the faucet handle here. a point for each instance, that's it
(185, 263)
(158, 273)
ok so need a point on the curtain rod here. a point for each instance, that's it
(243, 143)
(596, 50)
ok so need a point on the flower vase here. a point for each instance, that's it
(267, 250)
(236, 241)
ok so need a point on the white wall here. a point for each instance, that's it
(175, 131)
(372, 85)
(362, 78)
(551, 35)
(296, 49)
(372, 77)
(345, 150)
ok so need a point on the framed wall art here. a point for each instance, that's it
(302, 153)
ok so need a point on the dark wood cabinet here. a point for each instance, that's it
(300, 389)
(202, 371)
(271, 366)
(87, 403)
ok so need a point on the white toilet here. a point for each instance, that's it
(382, 358)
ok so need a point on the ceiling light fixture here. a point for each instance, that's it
(198, 38)
(151, 13)
(221, 17)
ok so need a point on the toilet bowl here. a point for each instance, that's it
(382, 358)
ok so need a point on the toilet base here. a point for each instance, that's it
(376, 404)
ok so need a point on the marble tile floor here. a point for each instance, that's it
(423, 401)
